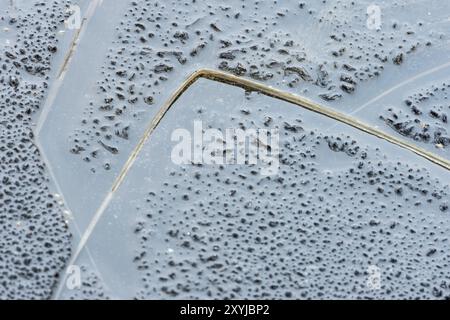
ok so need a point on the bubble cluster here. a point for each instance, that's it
(91, 287)
(34, 239)
(423, 116)
(269, 41)
(336, 210)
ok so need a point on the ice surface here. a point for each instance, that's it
(84, 97)
(342, 203)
